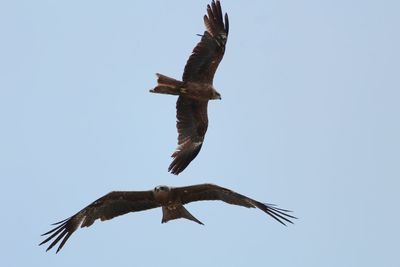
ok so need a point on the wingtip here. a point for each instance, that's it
(175, 167)
(56, 223)
(226, 23)
(173, 170)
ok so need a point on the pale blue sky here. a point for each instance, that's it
(309, 120)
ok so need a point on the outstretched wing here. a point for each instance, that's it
(214, 192)
(208, 53)
(105, 208)
(192, 123)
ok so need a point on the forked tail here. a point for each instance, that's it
(167, 85)
(177, 212)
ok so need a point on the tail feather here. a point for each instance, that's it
(177, 212)
(167, 85)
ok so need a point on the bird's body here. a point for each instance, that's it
(196, 88)
(170, 199)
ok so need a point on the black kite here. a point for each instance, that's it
(196, 88)
(170, 199)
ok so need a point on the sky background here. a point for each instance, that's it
(309, 120)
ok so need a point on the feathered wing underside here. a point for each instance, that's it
(105, 208)
(192, 123)
(208, 53)
(213, 192)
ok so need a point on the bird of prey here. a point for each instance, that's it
(196, 88)
(170, 199)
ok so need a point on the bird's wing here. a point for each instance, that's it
(192, 123)
(208, 53)
(105, 208)
(214, 192)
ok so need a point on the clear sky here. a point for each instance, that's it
(309, 120)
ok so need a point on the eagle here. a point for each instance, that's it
(170, 199)
(196, 88)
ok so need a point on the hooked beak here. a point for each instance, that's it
(218, 96)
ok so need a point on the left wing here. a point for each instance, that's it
(105, 208)
(192, 124)
(214, 192)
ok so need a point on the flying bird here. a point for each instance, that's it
(196, 88)
(170, 199)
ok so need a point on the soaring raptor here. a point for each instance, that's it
(196, 88)
(170, 199)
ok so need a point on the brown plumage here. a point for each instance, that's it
(196, 88)
(170, 199)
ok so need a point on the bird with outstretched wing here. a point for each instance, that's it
(196, 88)
(170, 199)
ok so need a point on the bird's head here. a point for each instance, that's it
(161, 188)
(161, 193)
(216, 95)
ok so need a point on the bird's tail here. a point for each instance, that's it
(167, 85)
(177, 212)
